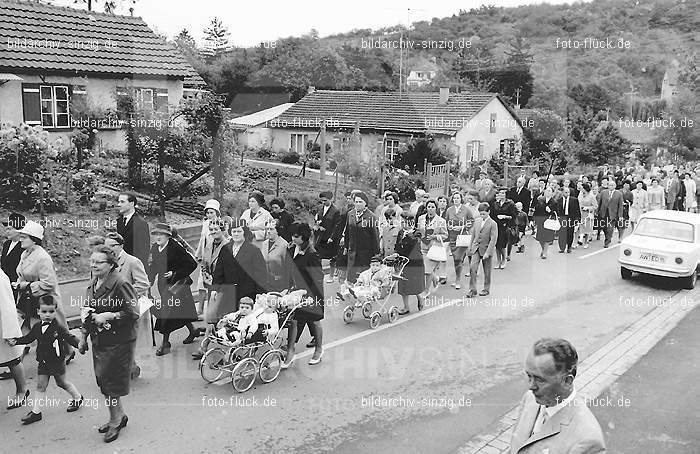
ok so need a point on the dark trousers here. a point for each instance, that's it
(566, 233)
(609, 227)
(476, 258)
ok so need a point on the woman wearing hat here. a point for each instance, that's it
(36, 276)
(203, 253)
(109, 317)
(256, 218)
(173, 265)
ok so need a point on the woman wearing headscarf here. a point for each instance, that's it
(11, 356)
(109, 317)
(256, 218)
(37, 277)
(173, 265)
(545, 208)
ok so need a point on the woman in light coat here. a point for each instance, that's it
(433, 230)
(640, 203)
(257, 218)
(11, 356)
(203, 253)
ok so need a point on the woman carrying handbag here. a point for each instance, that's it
(459, 219)
(433, 231)
(546, 220)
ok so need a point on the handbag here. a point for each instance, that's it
(463, 240)
(552, 224)
(437, 252)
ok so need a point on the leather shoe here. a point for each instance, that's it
(112, 434)
(105, 427)
(197, 355)
(136, 372)
(311, 344)
(471, 294)
(163, 349)
(31, 417)
(74, 405)
(484, 292)
(18, 403)
(5, 375)
(190, 338)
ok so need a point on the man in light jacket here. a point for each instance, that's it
(484, 233)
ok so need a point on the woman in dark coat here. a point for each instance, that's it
(408, 245)
(545, 208)
(503, 211)
(109, 317)
(361, 237)
(222, 266)
(173, 265)
(305, 273)
(249, 270)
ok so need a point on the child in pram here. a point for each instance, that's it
(238, 326)
(373, 283)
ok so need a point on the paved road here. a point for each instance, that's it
(655, 406)
(450, 370)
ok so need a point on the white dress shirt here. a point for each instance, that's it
(546, 413)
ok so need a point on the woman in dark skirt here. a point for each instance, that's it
(109, 317)
(545, 208)
(305, 273)
(408, 245)
(173, 266)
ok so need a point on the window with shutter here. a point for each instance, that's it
(31, 104)
(470, 151)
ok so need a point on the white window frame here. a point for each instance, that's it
(140, 102)
(391, 149)
(479, 154)
(294, 145)
(54, 106)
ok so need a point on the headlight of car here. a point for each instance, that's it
(627, 252)
(679, 260)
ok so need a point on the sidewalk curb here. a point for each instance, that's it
(601, 369)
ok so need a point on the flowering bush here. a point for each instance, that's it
(85, 184)
(26, 152)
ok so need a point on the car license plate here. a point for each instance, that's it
(653, 258)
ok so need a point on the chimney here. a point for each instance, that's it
(444, 95)
(310, 90)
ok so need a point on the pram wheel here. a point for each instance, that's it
(366, 309)
(243, 375)
(270, 366)
(213, 365)
(348, 314)
(375, 319)
(393, 314)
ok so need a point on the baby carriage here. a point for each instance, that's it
(260, 354)
(374, 303)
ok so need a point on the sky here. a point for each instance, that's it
(253, 22)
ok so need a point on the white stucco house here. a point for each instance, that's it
(54, 58)
(255, 130)
(473, 124)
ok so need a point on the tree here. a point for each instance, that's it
(187, 45)
(590, 96)
(514, 80)
(109, 6)
(216, 36)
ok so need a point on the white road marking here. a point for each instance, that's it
(600, 251)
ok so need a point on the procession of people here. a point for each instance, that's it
(139, 271)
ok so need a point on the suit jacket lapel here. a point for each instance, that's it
(551, 427)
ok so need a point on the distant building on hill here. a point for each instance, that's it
(669, 86)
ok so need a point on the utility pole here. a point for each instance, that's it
(517, 97)
(632, 92)
(323, 150)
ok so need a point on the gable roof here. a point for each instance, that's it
(54, 32)
(405, 112)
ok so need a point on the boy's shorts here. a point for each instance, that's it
(52, 368)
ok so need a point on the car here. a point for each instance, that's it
(663, 243)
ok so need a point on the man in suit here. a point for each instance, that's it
(133, 228)
(552, 419)
(133, 271)
(610, 203)
(326, 217)
(569, 212)
(484, 234)
(521, 194)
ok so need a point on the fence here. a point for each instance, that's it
(437, 179)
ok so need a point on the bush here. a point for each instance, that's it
(85, 184)
(264, 153)
(57, 204)
(403, 185)
(290, 158)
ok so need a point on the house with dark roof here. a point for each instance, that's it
(54, 58)
(475, 125)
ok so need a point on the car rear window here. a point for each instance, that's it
(670, 230)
